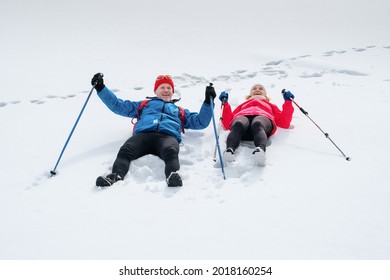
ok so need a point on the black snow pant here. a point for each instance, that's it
(159, 144)
(250, 128)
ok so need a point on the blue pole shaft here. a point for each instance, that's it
(216, 139)
(219, 132)
(53, 172)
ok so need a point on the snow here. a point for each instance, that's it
(307, 203)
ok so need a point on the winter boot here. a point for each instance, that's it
(259, 156)
(107, 181)
(174, 180)
(228, 155)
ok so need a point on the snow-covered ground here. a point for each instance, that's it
(307, 203)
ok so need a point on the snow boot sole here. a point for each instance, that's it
(107, 181)
(174, 180)
(259, 157)
(228, 155)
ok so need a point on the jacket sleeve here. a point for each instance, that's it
(121, 107)
(283, 118)
(198, 120)
(226, 116)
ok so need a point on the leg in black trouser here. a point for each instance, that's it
(160, 144)
(238, 128)
(261, 128)
(168, 150)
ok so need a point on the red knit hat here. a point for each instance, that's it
(164, 79)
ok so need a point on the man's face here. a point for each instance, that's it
(165, 92)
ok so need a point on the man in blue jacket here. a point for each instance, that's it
(158, 129)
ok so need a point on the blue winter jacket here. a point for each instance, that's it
(157, 115)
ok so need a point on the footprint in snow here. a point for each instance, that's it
(349, 72)
(270, 71)
(312, 75)
(222, 78)
(299, 57)
(251, 75)
(275, 62)
(192, 79)
(43, 100)
(242, 74)
(236, 76)
(70, 96)
(52, 96)
(359, 49)
(330, 53)
(240, 71)
(37, 101)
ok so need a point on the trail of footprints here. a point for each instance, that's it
(271, 68)
(188, 152)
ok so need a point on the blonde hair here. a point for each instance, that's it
(256, 85)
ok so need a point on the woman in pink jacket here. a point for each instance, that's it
(254, 120)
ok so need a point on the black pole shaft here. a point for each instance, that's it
(326, 134)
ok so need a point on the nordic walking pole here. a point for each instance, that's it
(326, 134)
(219, 131)
(53, 172)
(216, 136)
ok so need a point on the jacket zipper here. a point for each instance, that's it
(161, 117)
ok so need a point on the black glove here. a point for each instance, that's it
(210, 92)
(98, 82)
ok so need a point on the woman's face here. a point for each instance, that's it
(258, 90)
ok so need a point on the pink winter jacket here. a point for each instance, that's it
(259, 107)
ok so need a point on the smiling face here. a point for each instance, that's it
(164, 91)
(258, 90)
